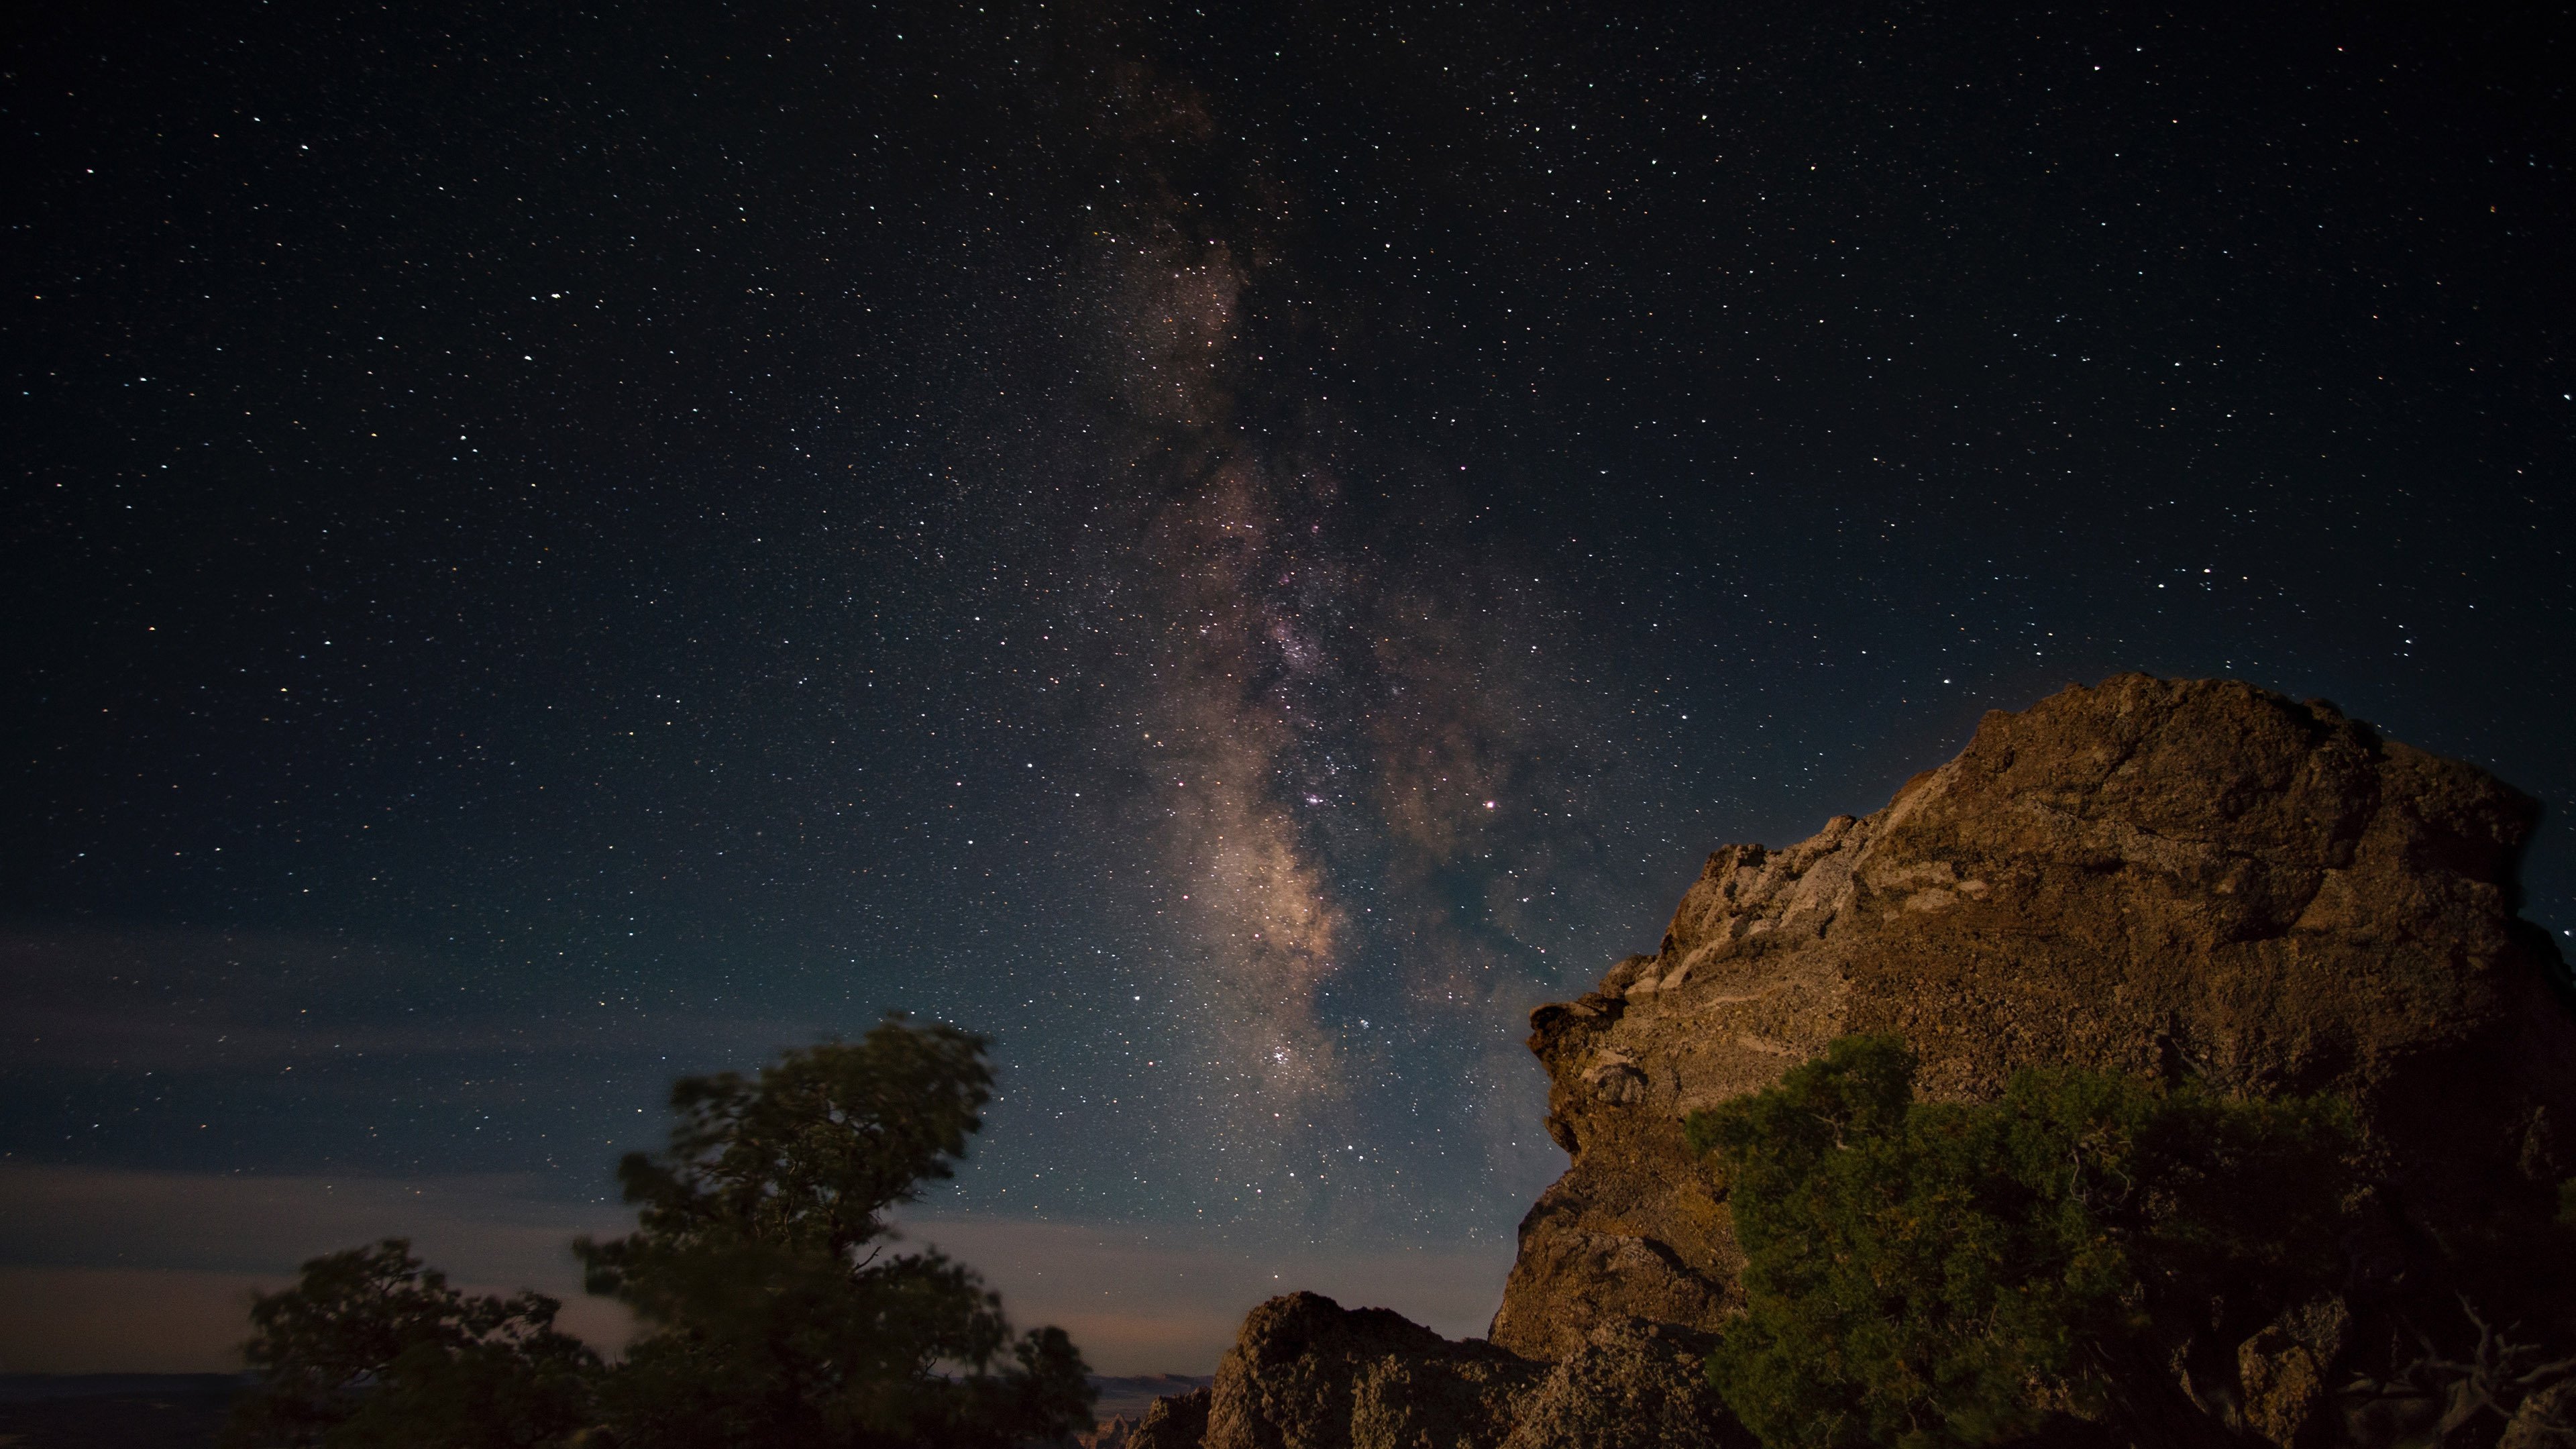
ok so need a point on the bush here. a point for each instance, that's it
(1922, 1274)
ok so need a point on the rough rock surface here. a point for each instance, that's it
(2283, 1370)
(1178, 1421)
(1633, 1385)
(2546, 1420)
(2150, 876)
(1306, 1373)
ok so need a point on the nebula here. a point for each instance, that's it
(1339, 757)
(1230, 653)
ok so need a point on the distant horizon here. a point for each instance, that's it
(194, 1318)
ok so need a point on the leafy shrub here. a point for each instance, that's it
(1932, 1274)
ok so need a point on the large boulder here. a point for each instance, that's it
(1175, 1421)
(2180, 879)
(1307, 1373)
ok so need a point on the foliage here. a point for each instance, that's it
(370, 1349)
(1931, 1274)
(775, 1316)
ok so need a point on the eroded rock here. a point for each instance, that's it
(1307, 1373)
(1175, 1421)
(2282, 1371)
(2150, 876)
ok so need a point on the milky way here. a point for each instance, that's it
(1313, 731)
(1233, 549)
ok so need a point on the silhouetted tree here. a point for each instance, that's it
(370, 1351)
(774, 1314)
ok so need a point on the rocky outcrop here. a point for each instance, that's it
(1306, 1373)
(2169, 878)
(1178, 1421)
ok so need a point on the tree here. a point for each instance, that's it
(774, 1314)
(1923, 1275)
(370, 1351)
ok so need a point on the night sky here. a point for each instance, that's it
(1234, 552)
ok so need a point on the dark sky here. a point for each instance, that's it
(548, 548)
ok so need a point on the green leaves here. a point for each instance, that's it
(1932, 1274)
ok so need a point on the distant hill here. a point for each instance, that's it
(185, 1411)
(114, 1411)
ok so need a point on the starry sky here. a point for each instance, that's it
(1233, 549)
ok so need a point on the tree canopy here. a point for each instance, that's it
(1934, 1274)
(774, 1315)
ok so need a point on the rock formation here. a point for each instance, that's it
(2194, 880)
(2159, 877)
(1306, 1373)
(1178, 1421)
(1114, 1432)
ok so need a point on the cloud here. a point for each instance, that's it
(162, 999)
(142, 998)
(105, 1270)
